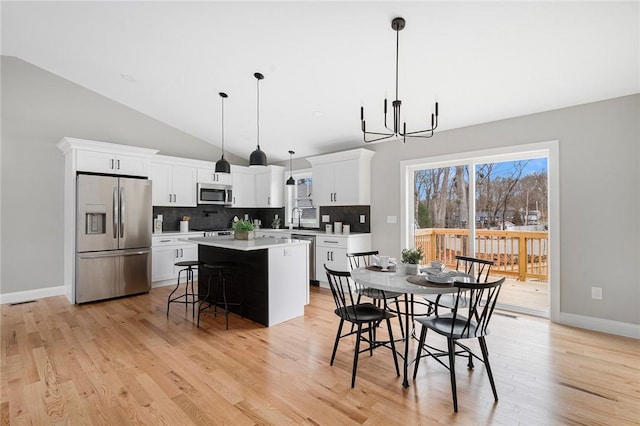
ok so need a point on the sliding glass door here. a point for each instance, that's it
(490, 207)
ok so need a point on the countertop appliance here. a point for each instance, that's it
(312, 255)
(113, 237)
(211, 193)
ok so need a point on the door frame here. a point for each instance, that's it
(548, 149)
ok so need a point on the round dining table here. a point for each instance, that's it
(375, 277)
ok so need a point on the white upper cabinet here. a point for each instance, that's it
(342, 178)
(108, 158)
(174, 184)
(206, 175)
(270, 187)
(258, 187)
(244, 190)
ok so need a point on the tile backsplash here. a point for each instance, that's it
(212, 216)
(348, 215)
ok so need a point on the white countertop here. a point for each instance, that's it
(315, 232)
(229, 242)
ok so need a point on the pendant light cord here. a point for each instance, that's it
(222, 126)
(258, 113)
(397, 55)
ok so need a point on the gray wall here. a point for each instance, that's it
(39, 109)
(599, 195)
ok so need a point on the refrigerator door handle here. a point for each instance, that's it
(115, 212)
(122, 212)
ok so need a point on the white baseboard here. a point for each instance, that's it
(29, 295)
(165, 283)
(602, 325)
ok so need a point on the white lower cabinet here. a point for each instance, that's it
(165, 252)
(332, 251)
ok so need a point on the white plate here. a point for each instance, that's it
(449, 277)
(441, 277)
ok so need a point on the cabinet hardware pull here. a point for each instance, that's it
(115, 212)
(112, 164)
(332, 256)
(118, 163)
(181, 253)
(169, 197)
(177, 253)
(328, 257)
(165, 241)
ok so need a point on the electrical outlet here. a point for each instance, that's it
(363, 219)
(596, 293)
(325, 218)
(392, 219)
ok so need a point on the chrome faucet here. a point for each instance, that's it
(299, 210)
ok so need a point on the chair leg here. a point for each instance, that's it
(372, 328)
(452, 371)
(224, 300)
(355, 355)
(171, 294)
(393, 347)
(485, 356)
(423, 336)
(335, 345)
(399, 319)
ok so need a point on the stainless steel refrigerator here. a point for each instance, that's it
(113, 237)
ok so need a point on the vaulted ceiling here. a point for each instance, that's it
(482, 61)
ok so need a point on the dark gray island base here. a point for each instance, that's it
(248, 284)
(269, 277)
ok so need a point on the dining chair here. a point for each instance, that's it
(477, 268)
(469, 322)
(364, 259)
(365, 317)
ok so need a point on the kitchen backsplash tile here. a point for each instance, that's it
(348, 215)
(212, 217)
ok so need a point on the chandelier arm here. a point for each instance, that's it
(378, 133)
(417, 135)
(377, 139)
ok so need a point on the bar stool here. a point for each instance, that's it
(188, 297)
(219, 277)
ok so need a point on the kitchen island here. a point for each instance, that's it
(270, 275)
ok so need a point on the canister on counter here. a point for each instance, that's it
(346, 229)
(328, 228)
(337, 227)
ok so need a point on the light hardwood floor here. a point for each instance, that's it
(123, 362)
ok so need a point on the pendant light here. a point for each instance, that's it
(291, 181)
(222, 165)
(258, 157)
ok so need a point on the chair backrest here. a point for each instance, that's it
(472, 319)
(360, 260)
(478, 268)
(341, 288)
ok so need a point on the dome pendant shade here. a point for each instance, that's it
(258, 157)
(222, 165)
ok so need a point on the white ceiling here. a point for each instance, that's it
(482, 61)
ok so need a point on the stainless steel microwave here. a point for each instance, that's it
(214, 194)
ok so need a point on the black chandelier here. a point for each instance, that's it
(291, 181)
(258, 157)
(398, 24)
(222, 165)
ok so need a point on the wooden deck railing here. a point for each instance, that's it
(520, 254)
